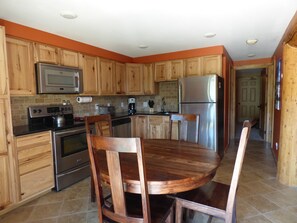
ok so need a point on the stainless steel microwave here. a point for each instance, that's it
(55, 79)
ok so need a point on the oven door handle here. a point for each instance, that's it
(73, 171)
(76, 131)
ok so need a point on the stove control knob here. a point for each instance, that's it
(39, 110)
(34, 110)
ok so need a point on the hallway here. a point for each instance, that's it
(260, 197)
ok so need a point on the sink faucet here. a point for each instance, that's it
(163, 105)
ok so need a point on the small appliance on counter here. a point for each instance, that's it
(131, 106)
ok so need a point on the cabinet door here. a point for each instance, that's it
(212, 65)
(4, 182)
(20, 67)
(134, 79)
(120, 78)
(3, 64)
(139, 126)
(158, 127)
(34, 154)
(161, 71)
(90, 74)
(149, 86)
(193, 67)
(45, 53)
(69, 58)
(106, 76)
(177, 69)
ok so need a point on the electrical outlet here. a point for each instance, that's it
(145, 104)
(122, 104)
(96, 106)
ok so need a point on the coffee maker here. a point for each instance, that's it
(131, 106)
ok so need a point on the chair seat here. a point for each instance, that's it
(160, 206)
(212, 194)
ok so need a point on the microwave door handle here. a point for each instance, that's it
(76, 77)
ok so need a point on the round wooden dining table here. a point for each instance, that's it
(171, 166)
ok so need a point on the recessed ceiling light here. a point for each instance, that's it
(251, 55)
(251, 41)
(142, 46)
(68, 14)
(209, 35)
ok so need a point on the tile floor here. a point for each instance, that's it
(260, 197)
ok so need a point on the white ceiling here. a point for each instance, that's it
(163, 25)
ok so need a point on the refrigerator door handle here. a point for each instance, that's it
(179, 96)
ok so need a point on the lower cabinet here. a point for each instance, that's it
(35, 163)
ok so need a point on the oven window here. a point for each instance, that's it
(73, 144)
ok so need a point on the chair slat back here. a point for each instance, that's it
(237, 169)
(113, 148)
(102, 124)
(184, 121)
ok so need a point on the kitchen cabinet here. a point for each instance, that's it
(169, 70)
(193, 66)
(134, 78)
(90, 75)
(212, 65)
(149, 85)
(120, 78)
(158, 127)
(35, 163)
(106, 69)
(20, 67)
(139, 126)
(50, 54)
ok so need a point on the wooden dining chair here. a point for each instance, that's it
(125, 207)
(184, 121)
(216, 199)
(99, 125)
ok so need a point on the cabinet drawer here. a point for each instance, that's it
(34, 158)
(29, 140)
(43, 180)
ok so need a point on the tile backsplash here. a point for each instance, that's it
(168, 90)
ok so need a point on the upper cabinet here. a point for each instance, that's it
(212, 65)
(106, 69)
(149, 85)
(20, 67)
(3, 64)
(90, 75)
(169, 70)
(120, 79)
(50, 54)
(134, 78)
(199, 66)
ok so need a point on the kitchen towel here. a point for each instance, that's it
(84, 99)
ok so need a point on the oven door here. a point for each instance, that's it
(70, 149)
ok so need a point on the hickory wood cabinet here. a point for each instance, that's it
(7, 159)
(20, 67)
(120, 78)
(139, 125)
(90, 74)
(199, 66)
(169, 70)
(50, 54)
(106, 73)
(149, 85)
(35, 163)
(134, 78)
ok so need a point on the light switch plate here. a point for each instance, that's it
(145, 104)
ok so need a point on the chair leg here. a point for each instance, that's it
(209, 219)
(178, 212)
(93, 194)
(234, 213)
(170, 217)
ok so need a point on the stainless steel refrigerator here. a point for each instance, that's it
(204, 95)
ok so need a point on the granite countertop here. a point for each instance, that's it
(26, 129)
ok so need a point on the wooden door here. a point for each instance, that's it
(46, 54)
(20, 67)
(134, 79)
(161, 71)
(193, 66)
(106, 76)
(90, 75)
(248, 98)
(177, 69)
(158, 127)
(212, 65)
(120, 78)
(69, 58)
(149, 86)
(140, 126)
(262, 105)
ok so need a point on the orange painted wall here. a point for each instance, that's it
(24, 32)
(214, 50)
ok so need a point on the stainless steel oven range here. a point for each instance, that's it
(71, 157)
